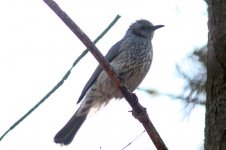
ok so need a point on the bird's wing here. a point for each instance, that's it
(112, 53)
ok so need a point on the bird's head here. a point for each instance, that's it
(143, 28)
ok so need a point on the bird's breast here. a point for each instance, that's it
(133, 64)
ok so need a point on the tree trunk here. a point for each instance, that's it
(215, 130)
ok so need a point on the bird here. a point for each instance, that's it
(131, 58)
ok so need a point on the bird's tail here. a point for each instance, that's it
(68, 132)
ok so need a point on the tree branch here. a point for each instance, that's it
(138, 111)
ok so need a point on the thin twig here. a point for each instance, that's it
(138, 111)
(133, 140)
(60, 83)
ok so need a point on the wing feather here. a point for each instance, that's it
(112, 53)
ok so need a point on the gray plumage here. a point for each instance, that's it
(131, 58)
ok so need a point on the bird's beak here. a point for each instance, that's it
(157, 27)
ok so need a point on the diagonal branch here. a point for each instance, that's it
(138, 111)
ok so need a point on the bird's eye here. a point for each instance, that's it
(145, 27)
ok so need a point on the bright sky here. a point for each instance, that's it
(37, 49)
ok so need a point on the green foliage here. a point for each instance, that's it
(195, 76)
